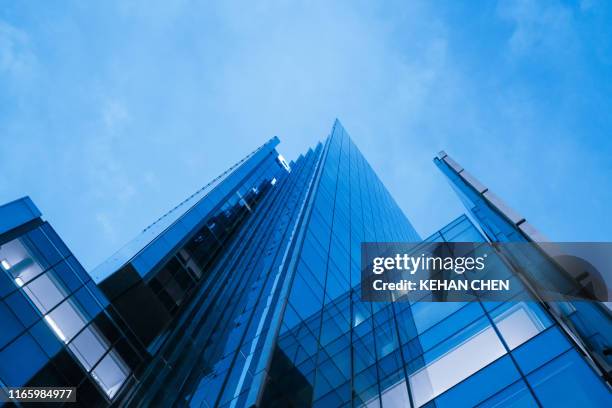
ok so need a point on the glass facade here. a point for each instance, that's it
(152, 280)
(53, 326)
(590, 323)
(248, 294)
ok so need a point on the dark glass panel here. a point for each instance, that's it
(21, 360)
(67, 276)
(87, 302)
(22, 308)
(46, 247)
(10, 325)
(46, 338)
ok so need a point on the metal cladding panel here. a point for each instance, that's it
(17, 213)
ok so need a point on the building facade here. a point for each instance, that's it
(248, 294)
(54, 329)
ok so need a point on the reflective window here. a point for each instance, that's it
(515, 396)
(6, 285)
(45, 247)
(540, 349)
(450, 325)
(87, 302)
(481, 385)
(427, 314)
(57, 241)
(45, 292)
(11, 326)
(374, 402)
(567, 380)
(66, 320)
(110, 373)
(15, 369)
(89, 346)
(47, 340)
(22, 308)
(519, 322)
(16, 259)
(455, 360)
(396, 396)
(67, 275)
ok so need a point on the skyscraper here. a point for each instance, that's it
(248, 294)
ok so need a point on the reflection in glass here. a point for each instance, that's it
(470, 350)
(67, 320)
(396, 396)
(45, 292)
(519, 322)
(89, 346)
(110, 373)
(16, 259)
(49, 320)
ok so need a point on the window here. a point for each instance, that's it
(66, 320)
(11, 327)
(396, 396)
(519, 322)
(89, 346)
(22, 308)
(45, 292)
(428, 314)
(45, 247)
(456, 359)
(110, 373)
(516, 395)
(16, 369)
(16, 259)
(478, 387)
(568, 379)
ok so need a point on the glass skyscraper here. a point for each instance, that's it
(248, 294)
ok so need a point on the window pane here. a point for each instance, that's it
(11, 327)
(46, 247)
(66, 320)
(110, 373)
(45, 338)
(515, 396)
(396, 396)
(7, 285)
(87, 302)
(20, 361)
(519, 322)
(55, 239)
(427, 314)
(67, 275)
(468, 352)
(566, 380)
(46, 291)
(89, 346)
(541, 349)
(22, 308)
(16, 259)
(481, 385)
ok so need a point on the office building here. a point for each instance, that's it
(248, 294)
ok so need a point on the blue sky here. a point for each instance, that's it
(112, 112)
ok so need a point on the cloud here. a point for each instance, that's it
(16, 56)
(114, 115)
(538, 25)
(103, 166)
(107, 226)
